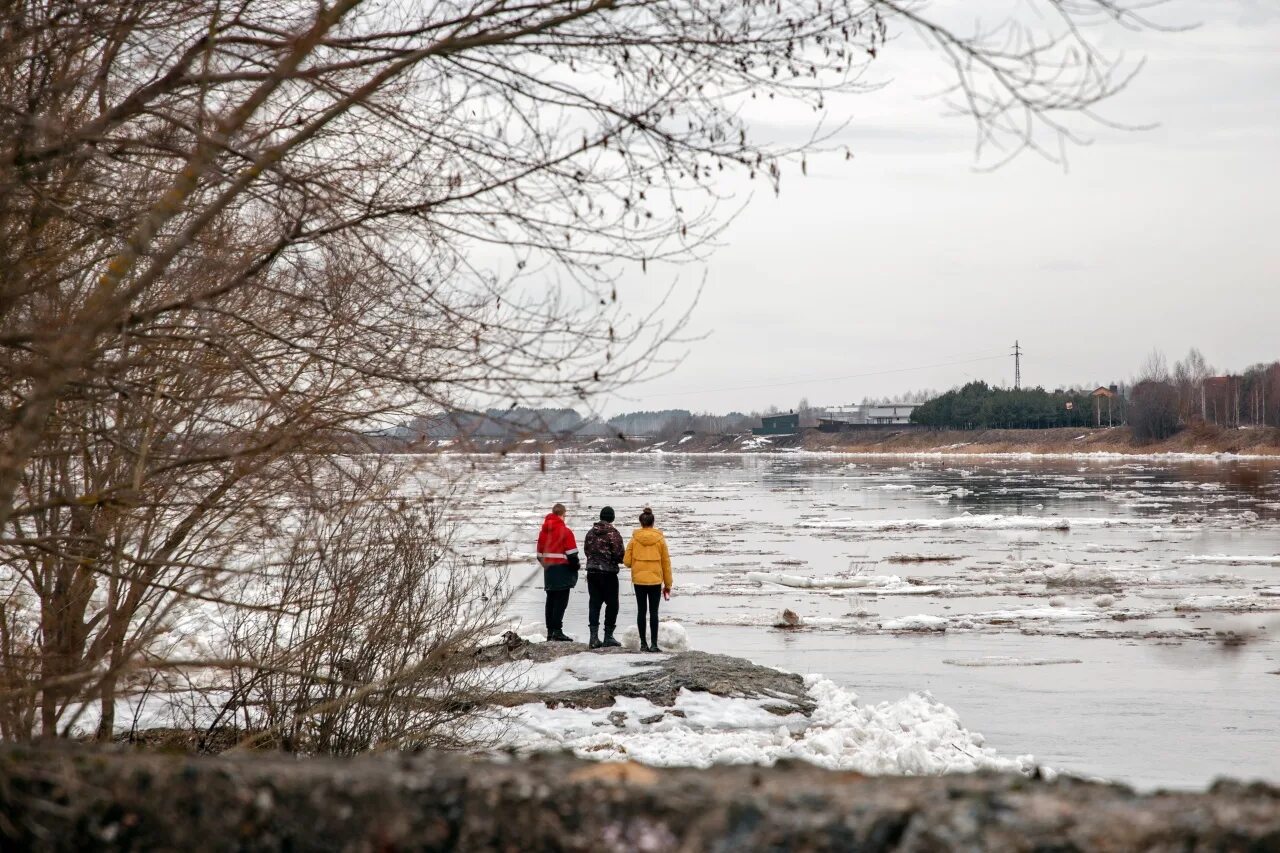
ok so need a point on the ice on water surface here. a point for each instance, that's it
(1081, 614)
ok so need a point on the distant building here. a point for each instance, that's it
(894, 413)
(1220, 400)
(787, 424)
(1099, 394)
(866, 413)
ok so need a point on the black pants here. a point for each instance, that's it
(647, 598)
(557, 603)
(602, 588)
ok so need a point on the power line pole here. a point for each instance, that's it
(1017, 366)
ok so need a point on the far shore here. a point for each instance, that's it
(1195, 442)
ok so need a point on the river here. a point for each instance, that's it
(1115, 618)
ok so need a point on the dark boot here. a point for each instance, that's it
(654, 648)
(644, 645)
(609, 641)
(559, 636)
(594, 642)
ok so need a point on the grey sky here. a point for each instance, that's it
(907, 256)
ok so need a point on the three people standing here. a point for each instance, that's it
(646, 555)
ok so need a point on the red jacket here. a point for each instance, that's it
(558, 554)
(556, 545)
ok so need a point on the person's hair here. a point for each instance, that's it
(558, 509)
(646, 518)
(606, 514)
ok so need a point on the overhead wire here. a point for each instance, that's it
(802, 381)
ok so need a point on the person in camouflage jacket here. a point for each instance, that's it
(603, 549)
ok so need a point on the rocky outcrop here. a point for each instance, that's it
(79, 799)
(660, 681)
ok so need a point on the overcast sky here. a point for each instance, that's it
(908, 257)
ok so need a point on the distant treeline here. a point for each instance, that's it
(979, 406)
(1160, 401)
(524, 422)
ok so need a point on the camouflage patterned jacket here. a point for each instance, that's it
(603, 547)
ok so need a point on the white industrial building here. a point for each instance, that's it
(871, 413)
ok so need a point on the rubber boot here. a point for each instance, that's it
(594, 642)
(609, 641)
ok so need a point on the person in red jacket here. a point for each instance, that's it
(558, 556)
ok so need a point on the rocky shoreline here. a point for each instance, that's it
(658, 681)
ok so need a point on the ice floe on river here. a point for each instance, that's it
(979, 522)
(1231, 559)
(872, 584)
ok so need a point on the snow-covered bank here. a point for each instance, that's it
(699, 710)
(917, 735)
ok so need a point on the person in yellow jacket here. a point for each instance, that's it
(650, 566)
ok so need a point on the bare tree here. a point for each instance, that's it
(236, 240)
(1189, 376)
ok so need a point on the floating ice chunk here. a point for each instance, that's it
(976, 522)
(1224, 603)
(1104, 600)
(919, 622)
(872, 584)
(1024, 614)
(803, 582)
(1231, 559)
(999, 660)
(787, 618)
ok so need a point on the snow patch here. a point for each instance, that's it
(917, 735)
(672, 637)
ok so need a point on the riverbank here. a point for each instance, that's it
(1199, 442)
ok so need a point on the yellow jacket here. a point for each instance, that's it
(647, 557)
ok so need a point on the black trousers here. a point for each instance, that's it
(602, 588)
(557, 603)
(647, 598)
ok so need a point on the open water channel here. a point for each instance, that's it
(1115, 618)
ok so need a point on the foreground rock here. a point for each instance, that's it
(76, 799)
